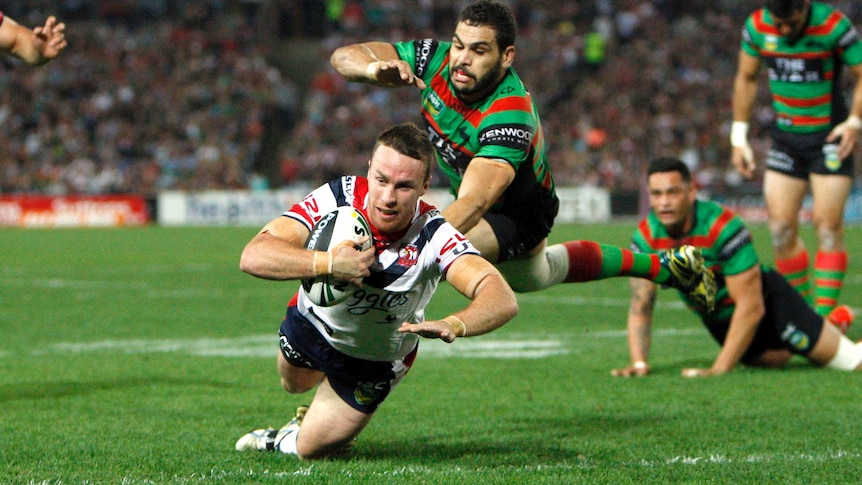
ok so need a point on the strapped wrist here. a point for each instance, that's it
(322, 267)
(854, 122)
(457, 325)
(739, 134)
(372, 69)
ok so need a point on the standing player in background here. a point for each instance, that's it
(759, 319)
(490, 146)
(36, 46)
(357, 350)
(805, 46)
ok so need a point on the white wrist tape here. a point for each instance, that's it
(739, 134)
(372, 69)
(854, 122)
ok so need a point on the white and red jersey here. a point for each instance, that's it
(408, 268)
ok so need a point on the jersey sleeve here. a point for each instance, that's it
(423, 55)
(317, 203)
(450, 245)
(735, 251)
(849, 45)
(748, 44)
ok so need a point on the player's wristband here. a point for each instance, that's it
(854, 122)
(372, 69)
(739, 134)
(322, 267)
(457, 325)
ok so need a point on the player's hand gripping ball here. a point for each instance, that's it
(344, 223)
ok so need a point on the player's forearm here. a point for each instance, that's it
(743, 326)
(270, 258)
(465, 213)
(639, 323)
(22, 43)
(494, 304)
(354, 62)
(639, 337)
(744, 94)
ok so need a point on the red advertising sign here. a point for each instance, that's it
(73, 211)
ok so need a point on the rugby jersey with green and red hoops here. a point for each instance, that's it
(504, 126)
(805, 74)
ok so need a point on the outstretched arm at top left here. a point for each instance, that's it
(493, 302)
(36, 46)
(374, 63)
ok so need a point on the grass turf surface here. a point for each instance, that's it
(141, 355)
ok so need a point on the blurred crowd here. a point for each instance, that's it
(192, 95)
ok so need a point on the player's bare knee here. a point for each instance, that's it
(783, 235)
(830, 239)
(294, 387)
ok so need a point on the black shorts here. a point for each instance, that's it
(362, 384)
(523, 222)
(799, 155)
(789, 323)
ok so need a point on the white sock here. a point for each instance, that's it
(539, 272)
(287, 444)
(847, 357)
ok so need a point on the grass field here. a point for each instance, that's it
(139, 356)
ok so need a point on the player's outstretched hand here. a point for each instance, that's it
(431, 329)
(394, 73)
(51, 38)
(692, 372)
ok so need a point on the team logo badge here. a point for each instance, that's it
(368, 392)
(770, 43)
(796, 338)
(830, 157)
(408, 255)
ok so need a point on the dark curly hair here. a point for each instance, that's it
(494, 15)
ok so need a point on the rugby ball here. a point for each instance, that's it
(334, 227)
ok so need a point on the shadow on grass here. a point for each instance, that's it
(542, 440)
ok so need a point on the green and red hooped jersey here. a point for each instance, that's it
(504, 126)
(722, 236)
(805, 76)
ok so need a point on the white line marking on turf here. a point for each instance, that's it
(517, 346)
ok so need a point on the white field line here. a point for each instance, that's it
(581, 464)
(517, 346)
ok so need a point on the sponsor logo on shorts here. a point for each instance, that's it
(368, 392)
(291, 354)
(779, 161)
(830, 157)
(796, 338)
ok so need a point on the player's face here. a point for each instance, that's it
(672, 200)
(793, 26)
(476, 64)
(395, 183)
